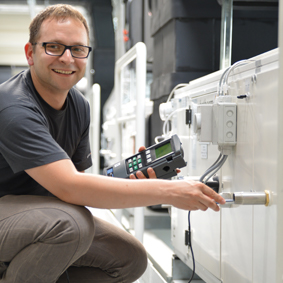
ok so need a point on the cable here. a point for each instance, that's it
(219, 157)
(225, 75)
(191, 248)
(221, 81)
(156, 139)
(67, 274)
(168, 118)
(214, 168)
(224, 78)
(172, 91)
(220, 165)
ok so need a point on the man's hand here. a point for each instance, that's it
(140, 175)
(192, 195)
(150, 171)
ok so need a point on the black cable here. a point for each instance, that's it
(67, 274)
(192, 252)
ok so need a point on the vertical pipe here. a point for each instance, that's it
(140, 95)
(117, 89)
(279, 200)
(140, 125)
(32, 5)
(226, 34)
(96, 97)
(137, 52)
(119, 39)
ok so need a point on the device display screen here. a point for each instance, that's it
(163, 150)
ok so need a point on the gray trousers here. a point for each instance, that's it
(42, 237)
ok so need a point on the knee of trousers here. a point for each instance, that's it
(137, 264)
(44, 224)
(79, 227)
(68, 228)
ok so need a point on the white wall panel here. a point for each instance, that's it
(239, 243)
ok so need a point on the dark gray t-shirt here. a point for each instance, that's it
(32, 133)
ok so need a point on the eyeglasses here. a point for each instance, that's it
(58, 49)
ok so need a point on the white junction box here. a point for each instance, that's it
(224, 124)
(216, 123)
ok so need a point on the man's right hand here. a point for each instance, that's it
(192, 195)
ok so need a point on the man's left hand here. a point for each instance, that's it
(150, 171)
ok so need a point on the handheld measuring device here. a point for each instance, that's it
(163, 157)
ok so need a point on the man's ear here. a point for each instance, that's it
(29, 53)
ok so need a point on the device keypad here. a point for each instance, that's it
(134, 163)
(148, 156)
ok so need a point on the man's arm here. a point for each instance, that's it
(63, 180)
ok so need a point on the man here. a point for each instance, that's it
(44, 149)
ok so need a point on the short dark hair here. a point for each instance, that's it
(59, 12)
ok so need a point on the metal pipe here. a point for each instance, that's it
(279, 156)
(246, 198)
(32, 6)
(249, 198)
(226, 34)
(138, 53)
(95, 125)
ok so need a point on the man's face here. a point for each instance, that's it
(57, 74)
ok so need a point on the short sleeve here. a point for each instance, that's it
(25, 141)
(82, 157)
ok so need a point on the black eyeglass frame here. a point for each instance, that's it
(43, 44)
